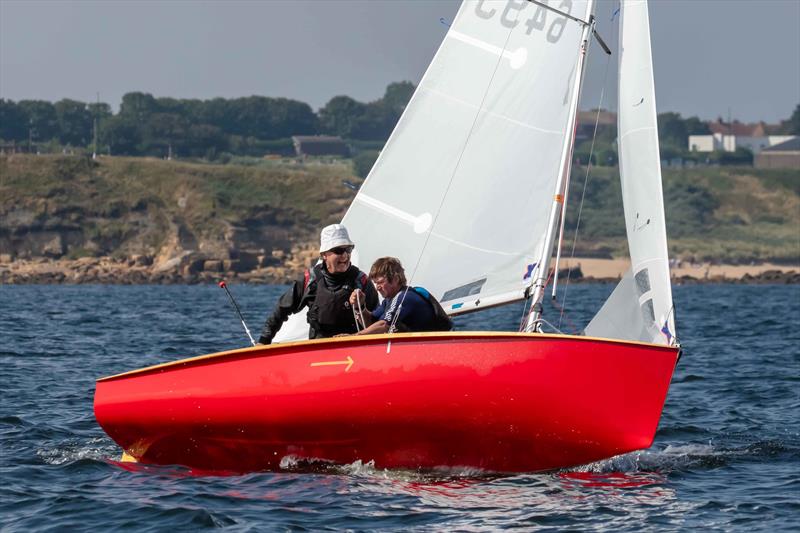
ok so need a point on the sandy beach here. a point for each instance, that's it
(615, 268)
(108, 270)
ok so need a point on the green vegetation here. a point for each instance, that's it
(363, 162)
(726, 214)
(225, 130)
(214, 129)
(136, 203)
(123, 205)
(673, 134)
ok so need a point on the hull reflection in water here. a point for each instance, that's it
(502, 402)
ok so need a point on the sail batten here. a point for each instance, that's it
(645, 129)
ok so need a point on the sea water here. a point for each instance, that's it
(726, 456)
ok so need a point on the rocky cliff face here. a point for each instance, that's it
(160, 221)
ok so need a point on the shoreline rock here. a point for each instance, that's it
(187, 267)
(193, 268)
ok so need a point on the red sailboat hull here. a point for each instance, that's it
(506, 402)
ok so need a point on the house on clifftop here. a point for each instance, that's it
(728, 136)
(783, 155)
(315, 145)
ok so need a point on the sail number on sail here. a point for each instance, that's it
(538, 21)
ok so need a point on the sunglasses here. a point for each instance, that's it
(341, 250)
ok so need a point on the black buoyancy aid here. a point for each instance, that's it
(330, 312)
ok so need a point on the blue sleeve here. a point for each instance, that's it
(377, 314)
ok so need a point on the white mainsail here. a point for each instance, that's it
(641, 306)
(462, 191)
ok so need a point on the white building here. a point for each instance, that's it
(729, 143)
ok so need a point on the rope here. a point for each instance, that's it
(358, 315)
(545, 322)
(583, 192)
(564, 314)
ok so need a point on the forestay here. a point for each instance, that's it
(641, 306)
(462, 190)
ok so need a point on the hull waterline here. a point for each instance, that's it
(500, 402)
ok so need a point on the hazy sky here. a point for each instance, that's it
(710, 55)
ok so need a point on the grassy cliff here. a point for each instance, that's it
(726, 214)
(60, 206)
(72, 206)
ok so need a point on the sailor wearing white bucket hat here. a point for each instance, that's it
(333, 236)
(325, 289)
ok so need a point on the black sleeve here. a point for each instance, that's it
(289, 303)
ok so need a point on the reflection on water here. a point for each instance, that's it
(622, 480)
(539, 498)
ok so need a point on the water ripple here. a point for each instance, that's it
(726, 455)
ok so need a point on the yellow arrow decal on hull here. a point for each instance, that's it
(349, 362)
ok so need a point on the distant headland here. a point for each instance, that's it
(173, 190)
(72, 219)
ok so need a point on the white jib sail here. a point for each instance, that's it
(462, 191)
(641, 306)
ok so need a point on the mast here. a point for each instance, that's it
(543, 264)
(94, 127)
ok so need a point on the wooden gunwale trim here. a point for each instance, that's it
(360, 339)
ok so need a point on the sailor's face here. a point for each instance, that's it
(387, 288)
(337, 260)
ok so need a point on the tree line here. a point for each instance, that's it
(673, 134)
(150, 126)
(257, 125)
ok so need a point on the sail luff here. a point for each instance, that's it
(543, 264)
